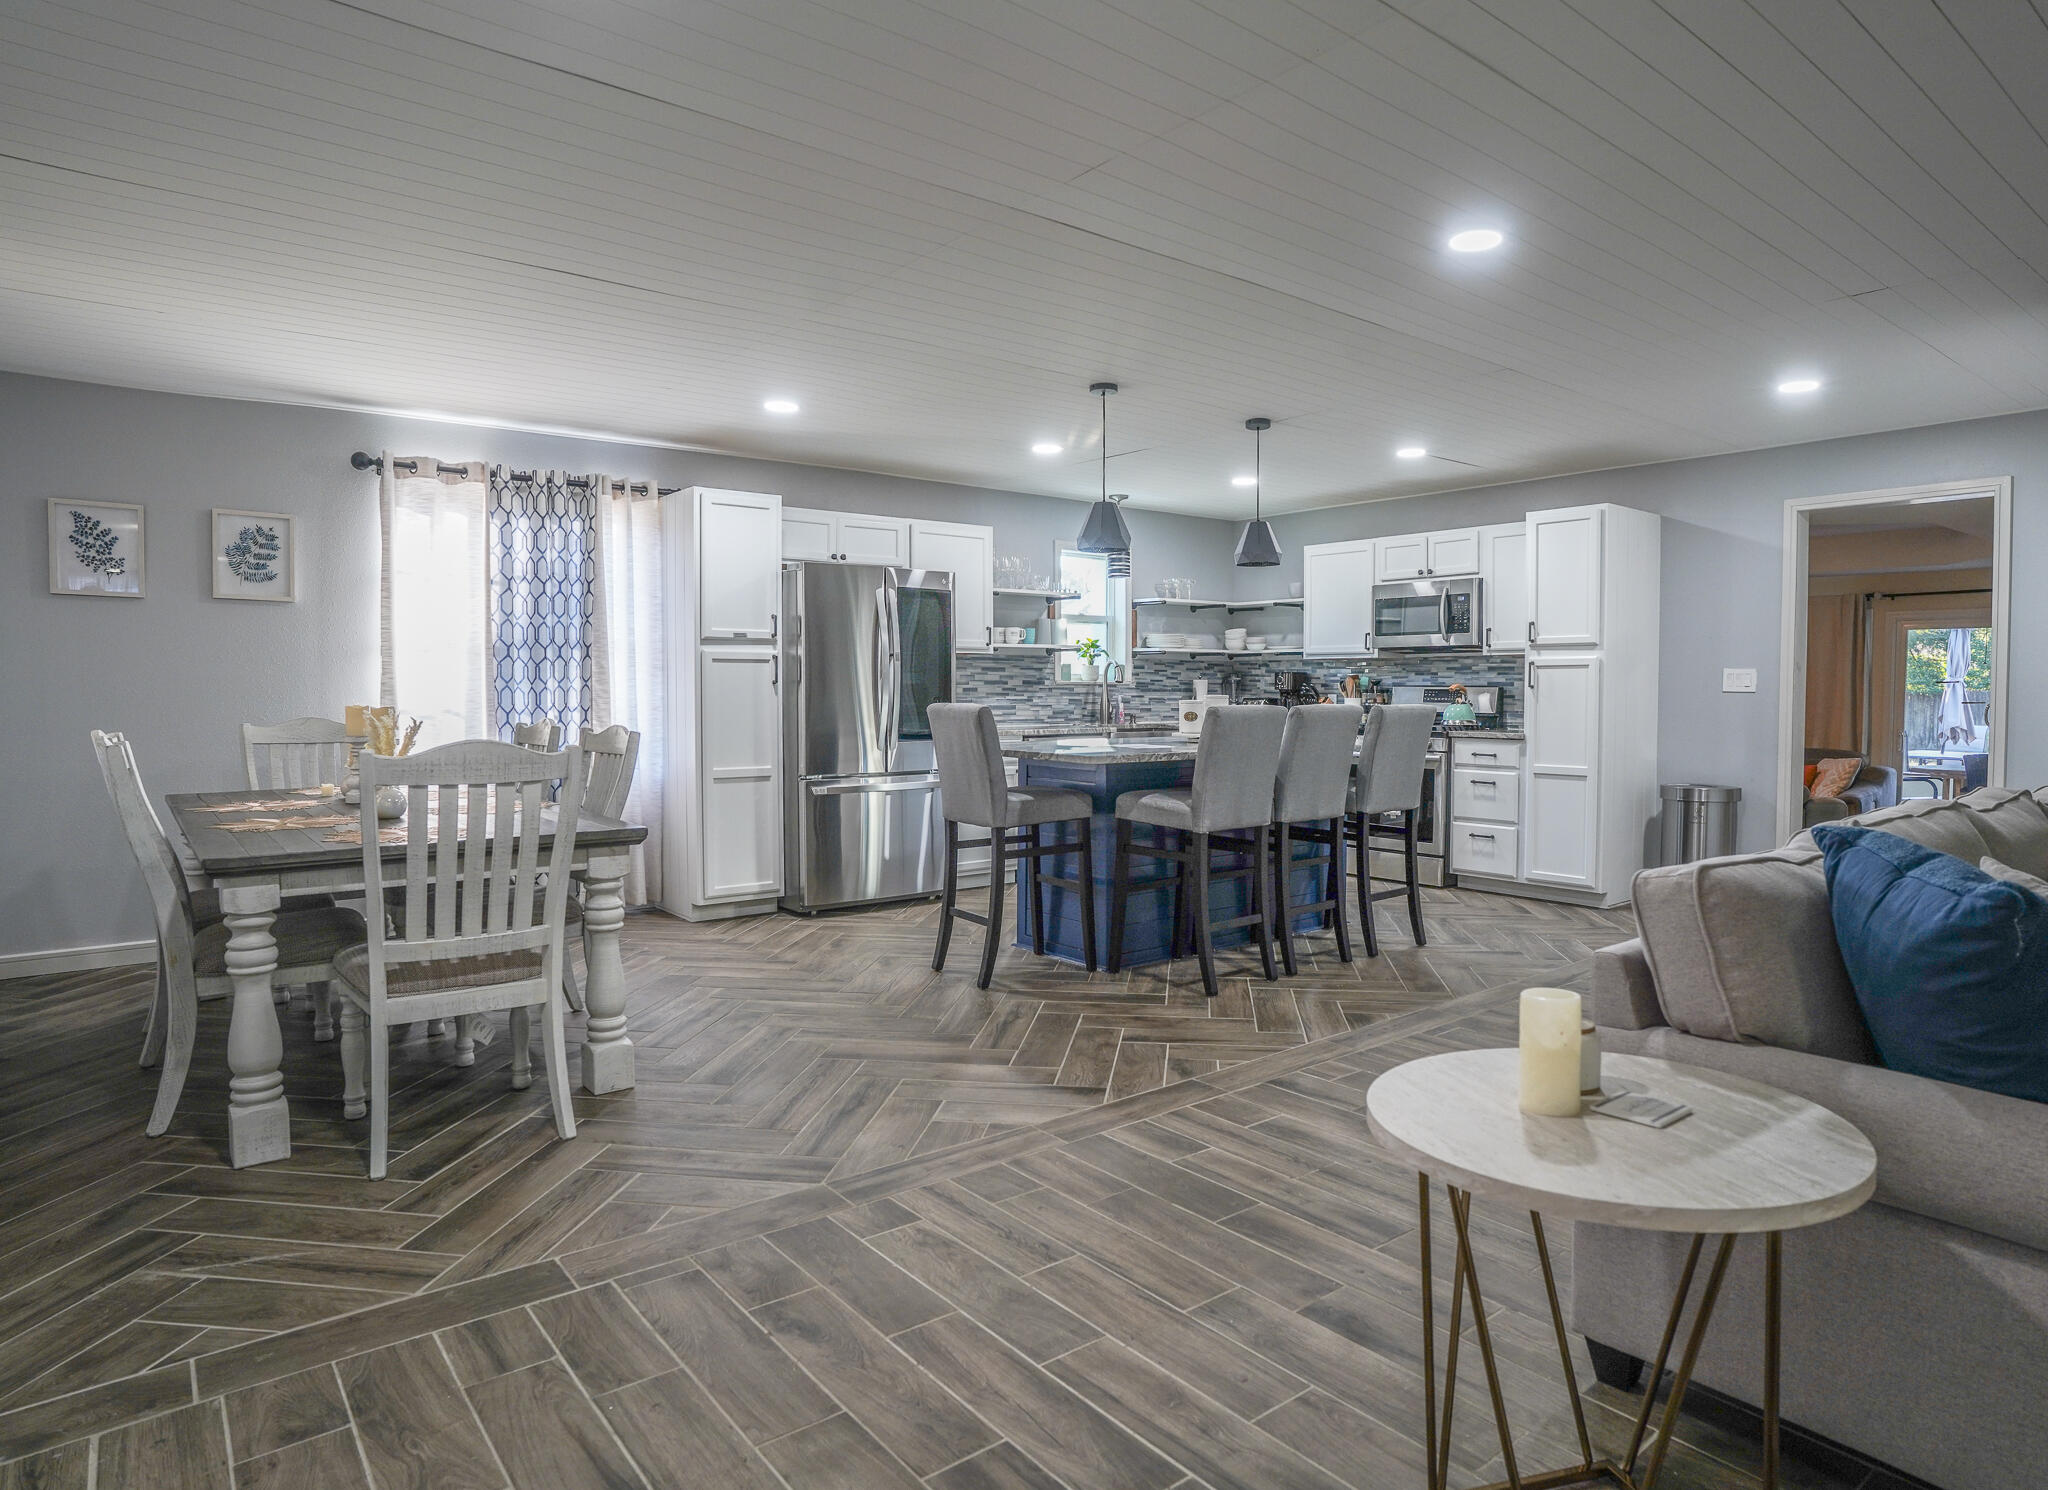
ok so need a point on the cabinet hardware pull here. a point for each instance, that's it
(1532, 677)
(774, 624)
(1532, 632)
(775, 672)
(1487, 836)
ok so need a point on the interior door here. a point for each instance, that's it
(1336, 599)
(1562, 814)
(1901, 704)
(1564, 551)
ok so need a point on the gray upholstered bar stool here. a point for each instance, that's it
(1235, 768)
(974, 789)
(1310, 798)
(1389, 780)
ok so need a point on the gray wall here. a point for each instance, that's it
(1723, 520)
(179, 671)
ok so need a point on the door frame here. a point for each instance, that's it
(1792, 624)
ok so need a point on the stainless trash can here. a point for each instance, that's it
(1699, 821)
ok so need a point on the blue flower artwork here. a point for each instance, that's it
(252, 557)
(94, 543)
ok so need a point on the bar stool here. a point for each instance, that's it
(974, 789)
(1389, 780)
(1310, 799)
(1235, 769)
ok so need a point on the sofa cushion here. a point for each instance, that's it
(1950, 966)
(2030, 882)
(1949, 827)
(1743, 948)
(2013, 825)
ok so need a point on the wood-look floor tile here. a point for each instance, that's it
(249, 1218)
(127, 1350)
(413, 1421)
(1159, 1177)
(997, 1182)
(244, 1304)
(985, 1226)
(884, 1294)
(1165, 1272)
(182, 1450)
(46, 1424)
(83, 1330)
(1368, 1381)
(207, 1342)
(679, 1437)
(746, 1372)
(603, 1338)
(498, 1343)
(893, 1398)
(876, 1216)
(263, 1419)
(547, 1433)
(1066, 1435)
(1004, 1467)
(483, 1213)
(1274, 1274)
(1009, 1308)
(59, 1290)
(754, 1272)
(350, 1192)
(837, 1454)
(534, 1232)
(667, 1246)
(68, 1264)
(1358, 1449)
(63, 1468)
(33, 1218)
(329, 1462)
(379, 1269)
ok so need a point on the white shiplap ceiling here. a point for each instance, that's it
(935, 223)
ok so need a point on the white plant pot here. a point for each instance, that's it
(1091, 672)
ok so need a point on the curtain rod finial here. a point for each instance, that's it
(362, 460)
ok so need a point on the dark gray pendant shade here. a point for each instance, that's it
(1257, 548)
(1105, 532)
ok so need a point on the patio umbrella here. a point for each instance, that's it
(1952, 725)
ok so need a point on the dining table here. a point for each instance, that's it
(255, 849)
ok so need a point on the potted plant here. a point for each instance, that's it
(1091, 653)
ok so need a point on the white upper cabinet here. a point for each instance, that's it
(1564, 555)
(738, 565)
(1504, 585)
(818, 536)
(1336, 598)
(1413, 555)
(968, 552)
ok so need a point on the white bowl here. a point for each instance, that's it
(1233, 644)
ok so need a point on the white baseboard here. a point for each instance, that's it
(76, 959)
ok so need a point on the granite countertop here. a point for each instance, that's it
(1487, 734)
(1045, 731)
(1099, 749)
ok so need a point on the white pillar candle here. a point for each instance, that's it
(1550, 1052)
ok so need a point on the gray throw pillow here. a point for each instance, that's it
(2014, 876)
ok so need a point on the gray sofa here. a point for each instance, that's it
(1916, 1329)
(1873, 788)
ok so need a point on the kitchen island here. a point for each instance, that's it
(1105, 766)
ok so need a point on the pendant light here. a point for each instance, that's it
(1257, 548)
(1105, 532)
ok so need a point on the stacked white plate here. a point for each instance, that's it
(1166, 640)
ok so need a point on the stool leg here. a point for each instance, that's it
(1035, 881)
(1414, 869)
(998, 871)
(1262, 899)
(1372, 944)
(949, 897)
(1198, 898)
(1333, 890)
(1177, 946)
(1283, 846)
(1119, 891)
(1086, 879)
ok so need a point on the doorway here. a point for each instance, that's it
(1894, 639)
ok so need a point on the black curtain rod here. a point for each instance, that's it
(1915, 594)
(362, 460)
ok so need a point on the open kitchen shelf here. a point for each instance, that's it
(1043, 594)
(1029, 647)
(1229, 605)
(1214, 652)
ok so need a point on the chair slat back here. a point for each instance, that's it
(170, 898)
(475, 815)
(609, 758)
(537, 734)
(296, 753)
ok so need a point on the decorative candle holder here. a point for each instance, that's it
(390, 803)
(1550, 1052)
(352, 780)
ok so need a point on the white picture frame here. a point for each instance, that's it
(255, 555)
(97, 548)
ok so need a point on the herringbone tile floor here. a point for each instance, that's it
(858, 1225)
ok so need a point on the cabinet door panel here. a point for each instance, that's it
(739, 564)
(1404, 556)
(1487, 796)
(1484, 848)
(873, 540)
(806, 535)
(1455, 551)
(1504, 576)
(739, 763)
(1564, 559)
(968, 553)
(1562, 813)
(1336, 598)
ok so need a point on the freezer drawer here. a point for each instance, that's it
(865, 839)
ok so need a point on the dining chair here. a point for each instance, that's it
(1392, 762)
(192, 955)
(1310, 796)
(297, 753)
(537, 734)
(472, 833)
(609, 758)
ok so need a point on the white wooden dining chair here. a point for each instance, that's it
(475, 944)
(609, 758)
(296, 753)
(192, 956)
(537, 734)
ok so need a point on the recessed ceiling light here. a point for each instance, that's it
(1411, 452)
(1244, 481)
(1800, 385)
(1475, 240)
(1047, 447)
(779, 405)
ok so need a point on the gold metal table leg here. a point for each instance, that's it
(1773, 1267)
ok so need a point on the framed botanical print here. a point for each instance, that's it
(255, 555)
(96, 548)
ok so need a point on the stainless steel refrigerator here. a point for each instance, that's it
(866, 648)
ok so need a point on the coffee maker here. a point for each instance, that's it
(1296, 687)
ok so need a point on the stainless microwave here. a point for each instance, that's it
(1428, 615)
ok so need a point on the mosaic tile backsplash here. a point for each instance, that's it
(1020, 689)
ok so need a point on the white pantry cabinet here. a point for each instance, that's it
(736, 569)
(1562, 711)
(1413, 555)
(739, 773)
(1336, 598)
(1566, 559)
(968, 552)
(819, 536)
(1504, 585)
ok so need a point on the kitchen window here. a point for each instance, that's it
(1102, 613)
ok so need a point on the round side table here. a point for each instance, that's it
(1749, 1158)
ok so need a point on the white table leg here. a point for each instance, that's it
(259, 1122)
(607, 1053)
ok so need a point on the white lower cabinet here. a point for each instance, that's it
(1563, 816)
(1486, 807)
(1485, 848)
(739, 770)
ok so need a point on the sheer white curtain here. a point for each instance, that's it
(435, 603)
(627, 683)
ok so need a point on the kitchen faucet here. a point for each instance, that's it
(1112, 672)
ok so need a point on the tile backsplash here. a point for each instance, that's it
(1021, 689)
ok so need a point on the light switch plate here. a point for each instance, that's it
(1738, 680)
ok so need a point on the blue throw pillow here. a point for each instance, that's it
(1950, 965)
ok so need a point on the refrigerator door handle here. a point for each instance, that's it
(892, 670)
(892, 784)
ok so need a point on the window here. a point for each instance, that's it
(1102, 614)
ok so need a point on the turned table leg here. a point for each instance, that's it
(259, 1122)
(607, 1053)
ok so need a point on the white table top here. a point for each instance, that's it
(1749, 1158)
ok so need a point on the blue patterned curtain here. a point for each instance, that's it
(543, 547)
